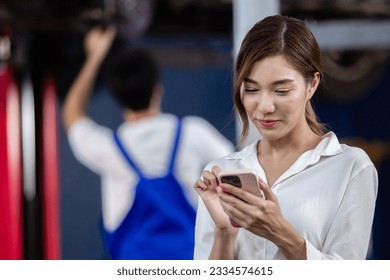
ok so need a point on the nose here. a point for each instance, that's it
(266, 104)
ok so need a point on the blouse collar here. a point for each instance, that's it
(329, 146)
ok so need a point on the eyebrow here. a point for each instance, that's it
(274, 83)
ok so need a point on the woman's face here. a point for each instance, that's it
(275, 96)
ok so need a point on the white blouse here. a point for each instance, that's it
(328, 195)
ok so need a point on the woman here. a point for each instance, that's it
(319, 195)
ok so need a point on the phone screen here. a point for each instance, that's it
(242, 179)
(232, 180)
(235, 181)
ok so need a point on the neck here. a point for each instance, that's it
(296, 143)
(132, 116)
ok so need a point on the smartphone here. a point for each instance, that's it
(241, 178)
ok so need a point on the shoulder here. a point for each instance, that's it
(357, 157)
(86, 128)
(91, 143)
(353, 152)
(202, 132)
(348, 154)
(196, 122)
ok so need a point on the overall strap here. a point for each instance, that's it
(126, 155)
(175, 146)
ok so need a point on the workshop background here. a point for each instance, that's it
(50, 205)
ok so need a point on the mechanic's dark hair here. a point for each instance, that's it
(132, 76)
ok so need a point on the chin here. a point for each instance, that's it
(272, 135)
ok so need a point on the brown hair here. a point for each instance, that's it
(272, 36)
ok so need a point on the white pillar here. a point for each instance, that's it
(245, 14)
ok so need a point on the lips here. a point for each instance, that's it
(268, 123)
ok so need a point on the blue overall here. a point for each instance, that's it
(160, 224)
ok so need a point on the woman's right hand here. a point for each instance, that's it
(207, 190)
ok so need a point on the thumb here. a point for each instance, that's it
(268, 193)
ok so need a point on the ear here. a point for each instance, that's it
(311, 89)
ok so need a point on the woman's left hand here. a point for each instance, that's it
(263, 217)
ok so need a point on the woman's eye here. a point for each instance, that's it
(250, 90)
(282, 91)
